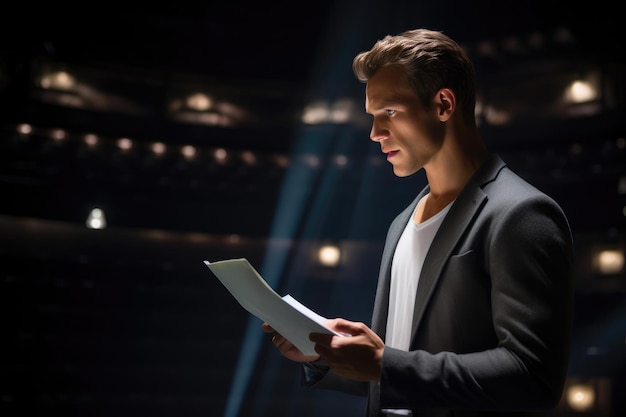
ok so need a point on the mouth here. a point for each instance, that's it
(391, 154)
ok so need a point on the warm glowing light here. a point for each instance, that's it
(59, 80)
(315, 113)
(496, 117)
(158, 148)
(248, 157)
(220, 155)
(199, 102)
(581, 91)
(581, 397)
(91, 139)
(188, 151)
(58, 135)
(609, 261)
(329, 255)
(25, 129)
(125, 144)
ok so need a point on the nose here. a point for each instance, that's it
(377, 134)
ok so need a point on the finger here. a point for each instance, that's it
(348, 327)
(267, 328)
(279, 341)
(321, 338)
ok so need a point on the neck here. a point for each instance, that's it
(459, 157)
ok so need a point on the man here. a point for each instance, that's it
(473, 307)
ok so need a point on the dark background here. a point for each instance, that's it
(128, 321)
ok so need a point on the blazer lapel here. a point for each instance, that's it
(463, 210)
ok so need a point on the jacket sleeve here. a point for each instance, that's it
(317, 375)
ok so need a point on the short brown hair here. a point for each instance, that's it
(431, 60)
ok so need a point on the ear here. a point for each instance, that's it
(445, 100)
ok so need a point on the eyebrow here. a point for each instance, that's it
(381, 105)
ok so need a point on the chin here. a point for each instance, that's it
(402, 173)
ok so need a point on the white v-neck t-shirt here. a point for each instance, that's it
(405, 271)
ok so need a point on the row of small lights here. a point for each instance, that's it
(221, 155)
(189, 152)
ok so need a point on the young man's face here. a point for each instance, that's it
(409, 134)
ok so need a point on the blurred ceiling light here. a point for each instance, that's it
(96, 219)
(199, 108)
(24, 129)
(609, 261)
(231, 111)
(90, 139)
(315, 113)
(66, 99)
(342, 111)
(583, 90)
(249, 157)
(58, 80)
(58, 135)
(496, 117)
(158, 148)
(220, 155)
(203, 118)
(188, 151)
(199, 102)
(340, 160)
(282, 161)
(329, 255)
(581, 397)
(311, 160)
(125, 144)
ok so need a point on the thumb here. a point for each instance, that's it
(345, 326)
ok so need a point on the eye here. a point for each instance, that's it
(390, 112)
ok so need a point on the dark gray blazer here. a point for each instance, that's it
(493, 312)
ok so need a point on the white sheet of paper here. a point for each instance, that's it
(286, 315)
